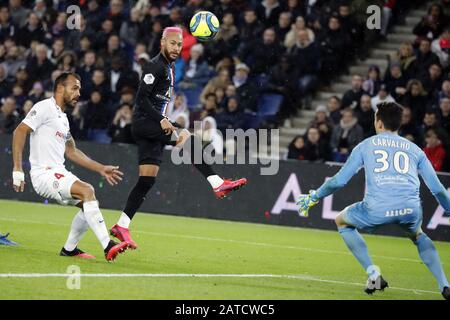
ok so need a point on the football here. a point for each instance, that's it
(204, 25)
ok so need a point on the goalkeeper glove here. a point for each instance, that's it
(307, 201)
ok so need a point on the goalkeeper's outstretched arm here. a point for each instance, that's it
(340, 179)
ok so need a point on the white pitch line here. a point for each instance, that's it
(252, 243)
(197, 275)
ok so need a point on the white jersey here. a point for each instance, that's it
(50, 133)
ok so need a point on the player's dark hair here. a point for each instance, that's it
(390, 113)
(61, 79)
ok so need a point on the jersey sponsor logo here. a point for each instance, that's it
(32, 113)
(60, 135)
(149, 78)
(400, 212)
(55, 185)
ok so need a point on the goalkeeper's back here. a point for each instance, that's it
(392, 165)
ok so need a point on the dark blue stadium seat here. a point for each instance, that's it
(269, 104)
(192, 97)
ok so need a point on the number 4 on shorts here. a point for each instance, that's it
(58, 176)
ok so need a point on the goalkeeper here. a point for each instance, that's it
(392, 165)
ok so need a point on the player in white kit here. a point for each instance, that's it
(50, 141)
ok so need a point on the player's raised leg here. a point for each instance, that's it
(430, 257)
(93, 216)
(193, 145)
(356, 244)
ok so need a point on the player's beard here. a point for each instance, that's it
(68, 101)
(167, 55)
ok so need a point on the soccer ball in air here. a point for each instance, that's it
(204, 25)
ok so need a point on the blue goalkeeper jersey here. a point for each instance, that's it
(392, 165)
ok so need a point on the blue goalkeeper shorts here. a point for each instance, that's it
(409, 218)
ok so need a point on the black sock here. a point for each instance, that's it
(205, 169)
(138, 194)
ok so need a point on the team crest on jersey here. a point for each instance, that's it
(149, 78)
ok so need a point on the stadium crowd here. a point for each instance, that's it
(288, 47)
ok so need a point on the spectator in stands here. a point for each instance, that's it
(209, 107)
(334, 109)
(292, 36)
(283, 26)
(32, 31)
(127, 95)
(262, 54)
(37, 92)
(177, 107)
(316, 149)
(39, 67)
(19, 95)
(120, 128)
(57, 50)
(323, 123)
(86, 70)
(432, 81)
(97, 83)
(13, 61)
(441, 47)
(96, 117)
(120, 76)
(409, 129)
(430, 121)
(9, 117)
(366, 116)
(395, 81)
(221, 98)
(352, 28)
(445, 92)
(415, 98)
(283, 80)
(296, 149)
(382, 96)
(5, 86)
(226, 40)
(431, 26)
(130, 29)
(222, 80)
(333, 44)
(197, 71)
(345, 136)
(18, 13)
(353, 96)
(444, 109)
(306, 55)
(7, 26)
(268, 12)
(231, 118)
(373, 81)
(434, 148)
(247, 92)
(67, 62)
(295, 8)
(425, 57)
(27, 105)
(407, 60)
(251, 28)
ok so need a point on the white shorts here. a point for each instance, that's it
(54, 183)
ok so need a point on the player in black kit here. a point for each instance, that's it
(152, 130)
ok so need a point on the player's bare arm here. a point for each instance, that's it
(19, 137)
(112, 174)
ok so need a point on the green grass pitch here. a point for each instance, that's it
(187, 258)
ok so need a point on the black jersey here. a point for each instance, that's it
(155, 89)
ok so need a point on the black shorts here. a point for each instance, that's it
(150, 139)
